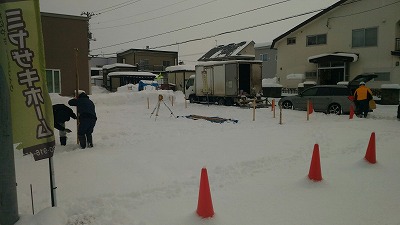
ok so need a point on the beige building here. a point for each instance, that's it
(148, 60)
(350, 37)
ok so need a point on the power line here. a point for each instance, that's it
(245, 28)
(238, 30)
(107, 21)
(155, 17)
(114, 7)
(199, 53)
(365, 11)
(199, 24)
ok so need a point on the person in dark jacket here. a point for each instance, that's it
(398, 112)
(87, 118)
(62, 114)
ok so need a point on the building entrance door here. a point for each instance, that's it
(329, 76)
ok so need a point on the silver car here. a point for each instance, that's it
(335, 99)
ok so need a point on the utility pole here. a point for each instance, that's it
(89, 34)
(8, 184)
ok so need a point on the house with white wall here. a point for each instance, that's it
(349, 38)
(267, 55)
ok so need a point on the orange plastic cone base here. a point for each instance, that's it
(204, 205)
(310, 108)
(351, 112)
(370, 155)
(315, 167)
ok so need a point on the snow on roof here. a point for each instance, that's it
(310, 82)
(263, 44)
(296, 76)
(96, 68)
(226, 51)
(236, 52)
(131, 73)
(210, 63)
(109, 66)
(180, 68)
(343, 83)
(349, 55)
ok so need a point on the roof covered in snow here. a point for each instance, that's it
(109, 66)
(230, 51)
(180, 68)
(337, 56)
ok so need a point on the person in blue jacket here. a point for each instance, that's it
(62, 114)
(87, 118)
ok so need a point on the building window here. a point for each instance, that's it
(311, 75)
(166, 63)
(291, 41)
(264, 57)
(144, 64)
(382, 76)
(319, 39)
(365, 37)
(53, 81)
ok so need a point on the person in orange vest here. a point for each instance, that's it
(362, 96)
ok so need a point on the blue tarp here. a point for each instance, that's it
(143, 84)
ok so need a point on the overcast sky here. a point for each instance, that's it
(124, 24)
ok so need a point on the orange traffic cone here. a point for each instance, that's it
(204, 204)
(370, 155)
(273, 105)
(351, 112)
(315, 167)
(310, 107)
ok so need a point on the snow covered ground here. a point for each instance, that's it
(145, 169)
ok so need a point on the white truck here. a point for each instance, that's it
(225, 82)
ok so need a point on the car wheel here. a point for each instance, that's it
(221, 101)
(335, 109)
(191, 99)
(229, 102)
(287, 105)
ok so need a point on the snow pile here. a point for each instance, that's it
(145, 166)
(270, 82)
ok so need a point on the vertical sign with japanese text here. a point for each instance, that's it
(205, 81)
(23, 65)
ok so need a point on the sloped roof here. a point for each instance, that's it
(180, 68)
(316, 16)
(109, 66)
(230, 51)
